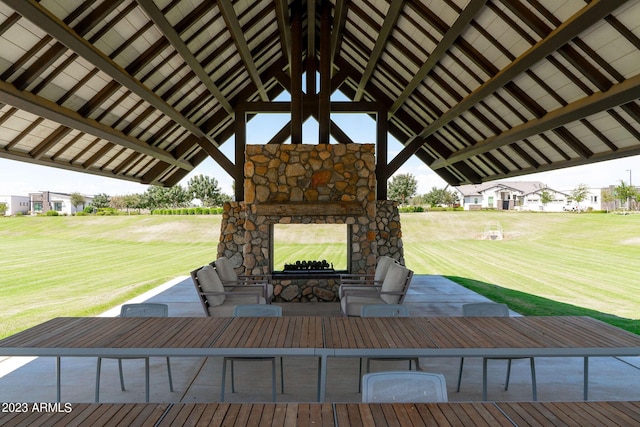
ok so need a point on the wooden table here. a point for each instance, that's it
(490, 414)
(477, 337)
(324, 337)
(339, 414)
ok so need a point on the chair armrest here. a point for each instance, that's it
(266, 277)
(262, 285)
(257, 294)
(370, 287)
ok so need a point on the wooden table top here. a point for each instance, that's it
(175, 336)
(338, 414)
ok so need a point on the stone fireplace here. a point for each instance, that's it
(309, 184)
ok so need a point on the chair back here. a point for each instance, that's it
(257, 310)
(225, 270)
(403, 386)
(485, 309)
(382, 267)
(384, 310)
(397, 282)
(146, 309)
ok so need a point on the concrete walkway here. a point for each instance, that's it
(198, 379)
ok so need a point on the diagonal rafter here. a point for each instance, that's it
(585, 18)
(233, 24)
(619, 94)
(381, 42)
(282, 17)
(469, 12)
(174, 38)
(339, 21)
(49, 23)
(51, 111)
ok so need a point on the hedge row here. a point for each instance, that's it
(188, 211)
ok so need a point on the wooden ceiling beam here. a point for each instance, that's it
(179, 45)
(339, 20)
(283, 18)
(49, 23)
(51, 111)
(619, 94)
(452, 34)
(585, 18)
(391, 17)
(237, 34)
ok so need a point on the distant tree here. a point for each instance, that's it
(165, 197)
(116, 202)
(402, 187)
(440, 196)
(76, 200)
(546, 197)
(101, 200)
(179, 197)
(206, 189)
(133, 201)
(625, 193)
(128, 201)
(3, 208)
(579, 194)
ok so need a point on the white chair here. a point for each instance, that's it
(254, 310)
(392, 291)
(350, 281)
(137, 310)
(386, 310)
(491, 309)
(228, 276)
(216, 300)
(403, 386)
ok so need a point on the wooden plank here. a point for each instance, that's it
(309, 209)
(138, 414)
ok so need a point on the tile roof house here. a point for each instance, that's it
(511, 195)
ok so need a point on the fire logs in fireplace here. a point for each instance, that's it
(309, 266)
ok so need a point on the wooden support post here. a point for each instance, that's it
(324, 98)
(240, 126)
(296, 72)
(382, 172)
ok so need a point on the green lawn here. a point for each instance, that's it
(548, 263)
(585, 264)
(77, 266)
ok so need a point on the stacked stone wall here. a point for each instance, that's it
(309, 184)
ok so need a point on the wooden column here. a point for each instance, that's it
(296, 72)
(382, 171)
(240, 127)
(324, 101)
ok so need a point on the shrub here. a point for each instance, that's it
(81, 213)
(52, 213)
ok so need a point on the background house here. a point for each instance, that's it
(44, 201)
(15, 204)
(511, 195)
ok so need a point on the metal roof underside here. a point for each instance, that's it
(479, 90)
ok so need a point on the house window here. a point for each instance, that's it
(594, 199)
(490, 202)
(37, 206)
(57, 206)
(475, 201)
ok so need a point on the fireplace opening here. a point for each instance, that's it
(309, 247)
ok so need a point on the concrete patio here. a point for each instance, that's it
(198, 379)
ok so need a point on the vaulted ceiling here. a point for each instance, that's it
(145, 90)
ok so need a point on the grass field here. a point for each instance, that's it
(79, 266)
(548, 263)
